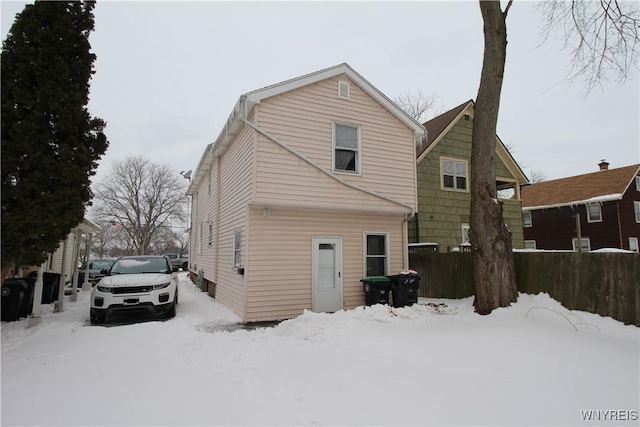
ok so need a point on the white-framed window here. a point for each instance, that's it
(466, 233)
(636, 209)
(530, 244)
(210, 236)
(594, 213)
(346, 148)
(376, 246)
(237, 245)
(585, 244)
(344, 90)
(633, 244)
(637, 183)
(526, 219)
(454, 174)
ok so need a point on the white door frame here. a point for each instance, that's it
(326, 300)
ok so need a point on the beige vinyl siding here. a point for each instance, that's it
(236, 177)
(205, 212)
(279, 267)
(55, 261)
(303, 119)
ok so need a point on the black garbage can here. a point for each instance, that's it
(376, 289)
(13, 291)
(404, 289)
(27, 302)
(50, 287)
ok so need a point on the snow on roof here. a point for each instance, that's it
(597, 199)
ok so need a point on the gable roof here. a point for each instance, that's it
(247, 101)
(440, 125)
(436, 127)
(581, 189)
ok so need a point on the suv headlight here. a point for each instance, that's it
(161, 286)
(104, 289)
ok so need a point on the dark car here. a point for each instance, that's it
(95, 270)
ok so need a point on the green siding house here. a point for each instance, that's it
(443, 176)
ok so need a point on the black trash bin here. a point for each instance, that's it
(50, 287)
(13, 291)
(376, 289)
(404, 288)
(27, 302)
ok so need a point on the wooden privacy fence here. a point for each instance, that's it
(604, 283)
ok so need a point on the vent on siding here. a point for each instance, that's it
(343, 89)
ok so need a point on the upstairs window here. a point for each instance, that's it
(636, 208)
(346, 148)
(594, 213)
(526, 219)
(454, 174)
(637, 183)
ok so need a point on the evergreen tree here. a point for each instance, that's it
(50, 143)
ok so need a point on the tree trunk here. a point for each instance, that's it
(494, 270)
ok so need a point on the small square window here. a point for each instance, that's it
(526, 219)
(530, 244)
(585, 244)
(594, 213)
(454, 174)
(633, 244)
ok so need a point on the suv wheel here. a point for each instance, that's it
(172, 311)
(185, 266)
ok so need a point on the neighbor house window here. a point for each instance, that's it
(376, 250)
(633, 244)
(585, 244)
(344, 90)
(636, 208)
(594, 213)
(466, 236)
(346, 148)
(637, 183)
(210, 233)
(529, 244)
(454, 174)
(237, 240)
(526, 219)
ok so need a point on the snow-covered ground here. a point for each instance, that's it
(436, 363)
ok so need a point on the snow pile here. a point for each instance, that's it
(435, 363)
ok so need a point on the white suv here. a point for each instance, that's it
(143, 283)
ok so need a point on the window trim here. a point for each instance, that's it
(636, 210)
(528, 213)
(590, 217)
(365, 250)
(637, 182)
(237, 249)
(466, 171)
(574, 240)
(530, 242)
(634, 239)
(334, 148)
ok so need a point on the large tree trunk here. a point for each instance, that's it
(494, 270)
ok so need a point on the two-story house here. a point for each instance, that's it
(308, 188)
(599, 210)
(443, 180)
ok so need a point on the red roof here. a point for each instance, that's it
(579, 188)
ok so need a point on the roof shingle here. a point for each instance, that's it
(578, 188)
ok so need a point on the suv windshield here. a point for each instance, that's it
(100, 264)
(140, 265)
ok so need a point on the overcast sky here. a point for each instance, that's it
(168, 73)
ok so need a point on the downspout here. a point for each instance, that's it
(619, 224)
(405, 233)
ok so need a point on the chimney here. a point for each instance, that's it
(604, 166)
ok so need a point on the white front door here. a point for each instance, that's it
(327, 274)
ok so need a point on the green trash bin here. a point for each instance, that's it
(376, 289)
